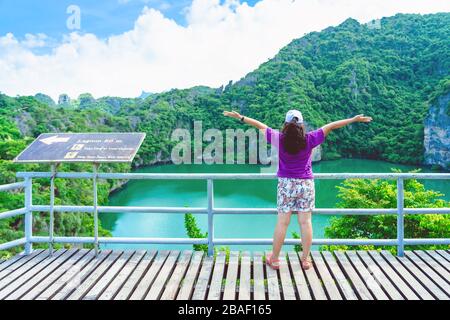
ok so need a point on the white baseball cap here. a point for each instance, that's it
(291, 114)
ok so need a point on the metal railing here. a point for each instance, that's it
(209, 210)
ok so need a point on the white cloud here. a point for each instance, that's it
(220, 42)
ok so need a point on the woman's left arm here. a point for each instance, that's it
(341, 123)
(255, 123)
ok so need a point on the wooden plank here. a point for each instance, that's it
(24, 283)
(273, 288)
(147, 280)
(16, 278)
(244, 279)
(76, 276)
(327, 279)
(215, 288)
(286, 279)
(380, 277)
(13, 264)
(407, 276)
(259, 290)
(174, 283)
(440, 259)
(187, 283)
(438, 267)
(57, 280)
(357, 283)
(314, 283)
(402, 285)
(92, 279)
(299, 277)
(103, 281)
(341, 280)
(436, 278)
(370, 281)
(419, 275)
(49, 273)
(444, 254)
(113, 288)
(158, 285)
(134, 279)
(203, 279)
(229, 292)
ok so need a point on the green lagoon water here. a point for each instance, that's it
(241, 193)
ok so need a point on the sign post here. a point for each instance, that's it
(94, 148)
(52, 209)
(96, 165)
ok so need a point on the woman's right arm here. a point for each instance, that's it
(252, 122)
(341, 123)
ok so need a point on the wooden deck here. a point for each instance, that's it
(120, 275)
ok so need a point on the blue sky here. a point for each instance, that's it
(101, 17)
(125, 47)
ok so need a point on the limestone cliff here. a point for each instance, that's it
(437, 133)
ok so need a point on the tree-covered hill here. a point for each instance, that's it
(390, 73)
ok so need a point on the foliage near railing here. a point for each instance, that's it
(193, 231)
(377, 193)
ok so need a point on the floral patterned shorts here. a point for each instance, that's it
(295, 195)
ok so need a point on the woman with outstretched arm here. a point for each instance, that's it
(295, 191)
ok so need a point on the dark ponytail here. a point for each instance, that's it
(294, 138)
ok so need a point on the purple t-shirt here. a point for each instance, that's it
(295, 165)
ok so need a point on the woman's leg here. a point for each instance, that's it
(304, 220)
(280, 233)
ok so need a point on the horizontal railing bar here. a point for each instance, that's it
(12, 213)
(229, 241)
(321, 211)
(117, 209)
(269, 241)
(155, 240)
(226, 176)
(87, 209)
(37, 239)
(426, 210)
(122, 240)
(12, 244)
(197, 210)
(12, 186)
(413, 242)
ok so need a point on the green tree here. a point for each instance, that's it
(377, 193)
(193, 231)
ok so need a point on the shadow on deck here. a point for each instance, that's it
(76, 274)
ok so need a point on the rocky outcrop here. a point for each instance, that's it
(64, 100)
(437, 133)
(45, 99)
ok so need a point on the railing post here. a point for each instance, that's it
(52, 209)
(95, 209)
(400, 218)
(29, 215)
(210, 191)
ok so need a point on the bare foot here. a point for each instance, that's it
(306, 263)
